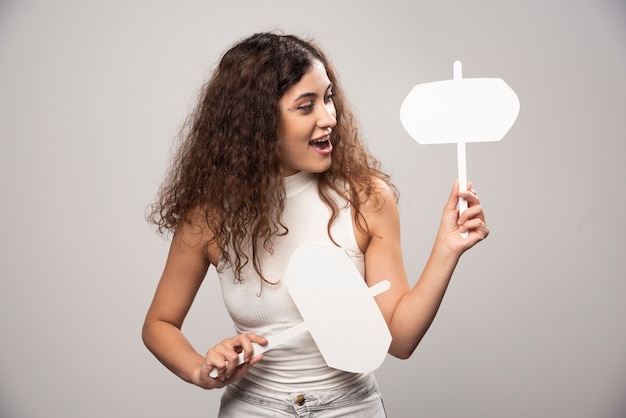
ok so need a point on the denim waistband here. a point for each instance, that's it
(361, 399)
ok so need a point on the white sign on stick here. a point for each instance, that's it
(458, 111)
(337, 308)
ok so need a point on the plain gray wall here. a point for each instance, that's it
(93, 93)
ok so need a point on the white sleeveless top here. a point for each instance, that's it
(267, 309)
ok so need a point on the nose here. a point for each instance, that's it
(328, 116)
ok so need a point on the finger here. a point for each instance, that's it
(248, 351)
(471, 197)
(224, 359)
(477, 227)
(247, 347)
(257, 339)
(241, 370)
(207, 380)
(219, 359)
(216, 357)
(232, 362)
(254, 360)
(453, 199)
(218, 369)
(470, 188)
(211, 370)
(472, 212)
(242, 352)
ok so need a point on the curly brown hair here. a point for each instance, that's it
(227, 166)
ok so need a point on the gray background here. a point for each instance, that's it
(92, 94)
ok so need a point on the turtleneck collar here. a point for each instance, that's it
(296, 183)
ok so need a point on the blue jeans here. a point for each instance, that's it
(243, 399)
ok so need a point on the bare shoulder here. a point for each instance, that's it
(378, 212)
(380, 199)
(195, 235)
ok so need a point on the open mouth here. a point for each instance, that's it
(321, 144)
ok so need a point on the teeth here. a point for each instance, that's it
(320, 140)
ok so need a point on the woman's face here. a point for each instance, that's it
(307, 117)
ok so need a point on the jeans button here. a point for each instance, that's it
(299, 400)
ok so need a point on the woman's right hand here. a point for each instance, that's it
(224, 357)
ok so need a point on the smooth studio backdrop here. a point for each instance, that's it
(92, 95)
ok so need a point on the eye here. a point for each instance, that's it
(306, 108)
(329, 97)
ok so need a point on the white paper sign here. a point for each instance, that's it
(338, 309)
(458, 111)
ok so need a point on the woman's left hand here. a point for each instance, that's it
(472, 221)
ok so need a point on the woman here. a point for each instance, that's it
(270, 159)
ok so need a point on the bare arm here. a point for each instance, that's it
(410, 312)
(186, 266)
